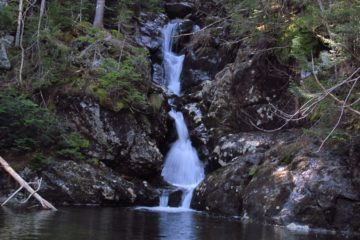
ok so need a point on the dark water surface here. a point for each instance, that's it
(126, 223)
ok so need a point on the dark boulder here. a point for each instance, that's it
(200, 66)
(236, 158)
(221, 191)
(186, 26)
(68, 182)
(175, 198)
(182, 35)
(285, 182)
(178, 9)
(312, 190)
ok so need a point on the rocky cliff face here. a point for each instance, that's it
(126, 147)
(278, 178)
(120, 139)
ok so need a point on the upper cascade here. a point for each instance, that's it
(173, 63)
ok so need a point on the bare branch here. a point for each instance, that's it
(45, 204)
(341, 115)
(330, 94)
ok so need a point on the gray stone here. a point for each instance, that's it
(5, 42)
(158, 74)
(149, 33)
(68, 182)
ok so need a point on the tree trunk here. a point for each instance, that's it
(41, 14)
(19, 23)
(45, 204)
(99, 14)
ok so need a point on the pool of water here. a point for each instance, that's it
(85, 223)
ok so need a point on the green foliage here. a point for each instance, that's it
(253, 170)
(64, 14)
(94, 161)
(72, 146)
(122, 85)
(59, 17)
(87, 33)
(51, 62)
(150, 5)
(339, 136)
(344, 20)
(306, 36)
(299, 92)
(288, 152)
(156, 101)
(26, 127)
(7, 18)
(24, 124)
(39, 161)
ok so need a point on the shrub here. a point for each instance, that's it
(7, 16)
(25, 127)
(123, 85)
(39, 161)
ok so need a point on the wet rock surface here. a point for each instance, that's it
(149, 32)
(68, 182)
(119, 139)
(199, 134)
(158, 74)
(280, 182)
(200, 66)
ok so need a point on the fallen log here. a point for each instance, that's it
(45, 204)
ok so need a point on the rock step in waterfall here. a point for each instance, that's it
(183, 168)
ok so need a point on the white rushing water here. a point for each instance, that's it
(183, 167)
(172, 63)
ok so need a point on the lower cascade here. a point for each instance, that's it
(183, 168)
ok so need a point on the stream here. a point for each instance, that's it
(78, 223)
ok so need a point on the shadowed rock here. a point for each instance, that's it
(178, 10)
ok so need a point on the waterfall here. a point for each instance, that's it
(183, 167)
(172, 63)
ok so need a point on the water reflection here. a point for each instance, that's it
(20, 225)
(179, 226)
(126, 223)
